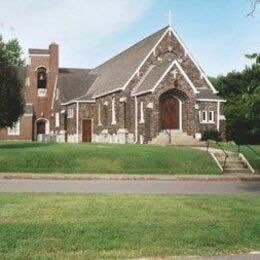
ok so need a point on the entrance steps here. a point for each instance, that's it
(175, 137)
(234, 163)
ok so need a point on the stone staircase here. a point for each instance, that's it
(234, 163)
(175, 137)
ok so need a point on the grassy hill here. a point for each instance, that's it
(32, 157)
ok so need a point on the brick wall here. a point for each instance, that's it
(26, 130)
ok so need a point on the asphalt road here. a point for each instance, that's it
(124, 186)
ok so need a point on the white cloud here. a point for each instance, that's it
(78, 26)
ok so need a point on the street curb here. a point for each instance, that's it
(132, 177)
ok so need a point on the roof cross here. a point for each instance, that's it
(170, 16)
(175, 72)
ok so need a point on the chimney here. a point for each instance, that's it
(54, 56)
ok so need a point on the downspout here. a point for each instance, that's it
(77, 121)
(218, 115)
(136, 120)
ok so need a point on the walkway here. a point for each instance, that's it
(126, 186)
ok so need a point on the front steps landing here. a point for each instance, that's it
(176, 137)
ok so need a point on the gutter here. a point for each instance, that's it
(136, 120)
(77, 121)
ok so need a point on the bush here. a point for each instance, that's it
(211, 134)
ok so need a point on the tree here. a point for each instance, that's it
(11, 96)
(254, 4)
(242, 110)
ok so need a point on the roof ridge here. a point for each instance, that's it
(133, 45)
(75, 69)
(127, 62)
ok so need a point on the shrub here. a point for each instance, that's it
(211, 134)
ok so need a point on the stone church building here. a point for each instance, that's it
(153, 89)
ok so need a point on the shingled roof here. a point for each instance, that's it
(74, 83)
(152, 78)
(208, 94)
(114, 74)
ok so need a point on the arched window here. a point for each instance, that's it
(99, 113)
(113, 111)
(141, 112)
(41, 78)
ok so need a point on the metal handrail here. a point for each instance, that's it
(254, 151)
(223, 150)
(168, 132)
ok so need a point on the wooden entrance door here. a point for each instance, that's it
(86, 130)
(170, 113)
(41, 127)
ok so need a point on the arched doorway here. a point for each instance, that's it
(42, 128)
(170, 108)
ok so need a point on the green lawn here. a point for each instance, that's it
(96, 158)
(72, 226)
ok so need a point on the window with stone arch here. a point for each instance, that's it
(41, 78)
(141, 112)
(99, 113)
(113, 111)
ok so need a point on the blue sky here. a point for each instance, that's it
(217, 32)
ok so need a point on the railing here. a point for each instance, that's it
(251, 149)
(224, 153)
(169, 133)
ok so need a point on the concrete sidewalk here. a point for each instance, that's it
(130, 187)
(250, 256)
(128, 177)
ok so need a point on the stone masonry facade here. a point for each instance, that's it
(132, 114)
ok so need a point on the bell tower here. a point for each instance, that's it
(42, 76)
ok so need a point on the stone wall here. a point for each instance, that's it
(124, 130)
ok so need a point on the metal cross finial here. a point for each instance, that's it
(170, 16)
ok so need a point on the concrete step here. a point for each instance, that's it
(229, 157)
(237, 171)
(175, 137)
(240, 163)
(234, 163)
(237, 166)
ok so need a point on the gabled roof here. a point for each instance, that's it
(73, 83)
(114, 74)
(157, 74)
(206, 94)
(151, 78)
